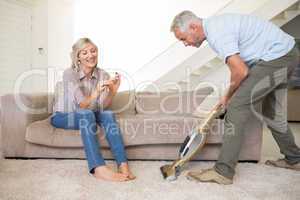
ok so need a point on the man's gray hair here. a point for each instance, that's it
(183, 20)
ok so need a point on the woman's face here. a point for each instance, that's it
(88, 56)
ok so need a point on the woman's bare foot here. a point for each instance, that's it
(105, 173)
(124, 169)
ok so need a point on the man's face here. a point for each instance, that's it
(191, 37)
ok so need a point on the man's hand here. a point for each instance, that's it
(238, 73)
(224, 102)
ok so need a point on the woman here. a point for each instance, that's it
(87, 90)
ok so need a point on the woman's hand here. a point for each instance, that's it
(99, 88)
(113, 84)
(95, 94)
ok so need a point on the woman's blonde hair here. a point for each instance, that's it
(76, 48)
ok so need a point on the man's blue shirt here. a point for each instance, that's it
(253, 38)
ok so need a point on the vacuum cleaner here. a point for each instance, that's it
(191, 145)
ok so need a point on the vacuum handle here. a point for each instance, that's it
(212, 115)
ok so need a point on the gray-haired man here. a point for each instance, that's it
(260, 57)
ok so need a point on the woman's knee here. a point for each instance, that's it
(86, 115)
(107, 115)
(87, 120)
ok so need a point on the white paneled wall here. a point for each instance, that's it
(38, 34)
(15, 43)
(52, 41)
(35, 38)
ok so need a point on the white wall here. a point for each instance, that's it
(15, 42)
(60, 32)
(53, 32)
(52, 38)
(40, 34)
(128, 33)
(131, 33)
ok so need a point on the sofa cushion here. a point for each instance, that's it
(172, 103)
(292, 105)
(136, 130)
(43, 133)
(124, 103)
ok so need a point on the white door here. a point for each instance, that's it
(15, 42)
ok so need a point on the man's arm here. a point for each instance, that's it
(239, 72)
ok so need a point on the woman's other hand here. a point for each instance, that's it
(113, 84)
(99, 88)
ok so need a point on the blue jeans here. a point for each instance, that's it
(86, 121)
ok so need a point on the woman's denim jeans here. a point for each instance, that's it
(86, 121)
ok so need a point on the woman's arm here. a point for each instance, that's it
(108, 100)
(89, 99)
(113, 86)
(72, 90)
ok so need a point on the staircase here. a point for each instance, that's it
(182, 68)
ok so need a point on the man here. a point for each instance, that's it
(260, 57)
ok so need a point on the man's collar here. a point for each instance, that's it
(204, 27)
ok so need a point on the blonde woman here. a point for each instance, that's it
(87, 91)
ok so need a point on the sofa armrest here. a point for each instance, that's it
(17, 112)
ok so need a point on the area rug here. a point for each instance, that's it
(68, 179)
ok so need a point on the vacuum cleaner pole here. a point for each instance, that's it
(191, 145)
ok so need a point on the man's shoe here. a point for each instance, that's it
(209, 175)
(282, 163)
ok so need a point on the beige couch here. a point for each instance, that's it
(293, 100)
(153, 127)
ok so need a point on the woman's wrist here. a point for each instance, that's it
(111, 93)
(95, 94)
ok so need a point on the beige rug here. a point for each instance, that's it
(68, 179)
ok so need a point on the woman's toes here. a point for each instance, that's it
(131, 176)
(104, 173)
(124, 169)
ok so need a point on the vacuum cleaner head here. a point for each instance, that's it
(191, 145)
(171, 172)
